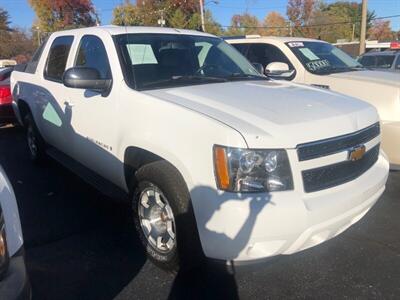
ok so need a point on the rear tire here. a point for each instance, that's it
(162, 196)
(36, 144)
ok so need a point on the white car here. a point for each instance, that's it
(14, 283)
(216, 159)
(320, 64)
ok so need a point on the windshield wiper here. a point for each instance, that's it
(184, 79)
(242, 76)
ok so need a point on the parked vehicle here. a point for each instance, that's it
(320, 64)
(6, 110)
(217, 160)
(14, 283)
(4, 63)
(384, 61)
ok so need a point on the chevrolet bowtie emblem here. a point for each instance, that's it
(356, 153)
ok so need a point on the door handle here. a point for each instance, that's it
(69, 104)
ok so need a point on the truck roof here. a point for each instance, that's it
(116, 30)
(282, 39)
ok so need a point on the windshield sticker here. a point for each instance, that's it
(309, 54)
(318, 65)
(296, 44)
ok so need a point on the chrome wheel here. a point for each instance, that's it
(157, 220)
(32, 142)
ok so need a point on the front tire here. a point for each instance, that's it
(36, 144)
(164, 217)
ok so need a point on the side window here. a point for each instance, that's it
(265, 54)
(384, 62)
(397, 65)
(92, 54)
(368, 61)
(57, 59)
(242, 48)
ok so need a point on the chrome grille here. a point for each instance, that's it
(329, 176)
(333, 175)
(337, 144)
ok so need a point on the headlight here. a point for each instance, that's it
(245, 170)
(4, 258)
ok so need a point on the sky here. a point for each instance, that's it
(22, 15)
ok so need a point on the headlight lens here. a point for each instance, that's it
(246, 170)
(4, 257)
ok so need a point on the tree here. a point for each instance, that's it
(381, 30)
(55, 15)
(244, 24)
(4, 19)
(276, 24)
(211, 25)
(300, 13)
(127, 15)
(347, 16)
(176, 13)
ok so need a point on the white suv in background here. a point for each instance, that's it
(14, 283)
(215, 158)
(321, 64)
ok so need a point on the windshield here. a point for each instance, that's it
(323, 58)
(152, 61)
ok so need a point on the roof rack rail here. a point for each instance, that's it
(248, 36)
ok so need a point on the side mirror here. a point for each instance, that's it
(279, 70)
(86, 78)
(259, 67)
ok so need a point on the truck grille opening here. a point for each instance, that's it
(329, 176)
(338, 144)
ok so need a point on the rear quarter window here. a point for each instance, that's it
(57, 58)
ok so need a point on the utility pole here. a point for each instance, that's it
(203, 26)
(363, 26)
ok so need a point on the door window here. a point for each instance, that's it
(242, 48)
(368, 61)
(384, 61)
(92, 54)
(57, 59)
(397, 66)
(265, 54)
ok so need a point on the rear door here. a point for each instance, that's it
(52, 113)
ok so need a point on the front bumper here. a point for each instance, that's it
(251, 227)
(15, 285)
(391, 143)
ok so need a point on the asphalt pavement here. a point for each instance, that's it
(81, 245)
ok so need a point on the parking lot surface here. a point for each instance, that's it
(81, 245)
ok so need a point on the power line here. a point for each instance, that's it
(311, 25)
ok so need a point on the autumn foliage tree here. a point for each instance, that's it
(381, 30)
(176, 13)
(63, 14)
(275, 24)
(300, 14)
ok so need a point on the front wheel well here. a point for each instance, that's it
(134, 159)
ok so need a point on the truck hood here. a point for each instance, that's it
(369, 76)
(274, 114)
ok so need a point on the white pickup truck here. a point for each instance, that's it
(217, 160)
(321, 64)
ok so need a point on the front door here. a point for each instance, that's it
(93, 114)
